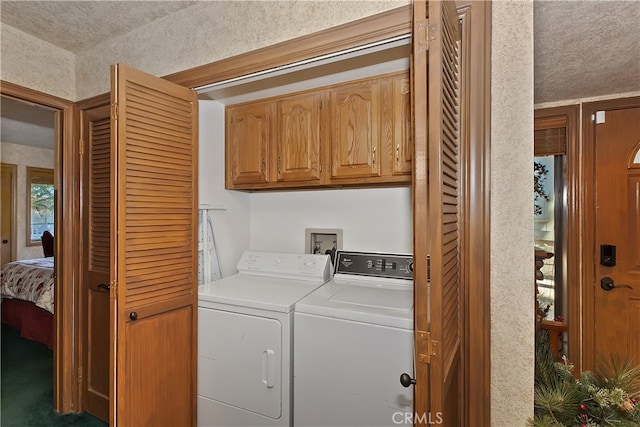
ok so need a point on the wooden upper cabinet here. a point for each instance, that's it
(298, 138)
(402, 144)
(248, 136)
(354, 111)
(352, 134)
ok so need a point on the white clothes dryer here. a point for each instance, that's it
(353, 338)
(245, 325)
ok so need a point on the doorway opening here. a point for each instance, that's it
(65, 219)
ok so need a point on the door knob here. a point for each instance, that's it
(133, 315)
(5, 241)
(608, 284)
(103, 286)
(406, 380)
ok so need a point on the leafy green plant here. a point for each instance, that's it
(607, 397)
(540, 172)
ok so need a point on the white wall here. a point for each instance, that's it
(231, 227)
(23, 156)
(373, 219)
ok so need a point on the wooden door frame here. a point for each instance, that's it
(475, 184)
(67, 230)
(587, 223)
(13, 169)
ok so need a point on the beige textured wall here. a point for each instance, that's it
(214, 30)
(23, 156)
(512, 270)
(210, 31)
(36, 64)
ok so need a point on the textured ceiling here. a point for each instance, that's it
(586, 49)
(582, 49)
(79, 25)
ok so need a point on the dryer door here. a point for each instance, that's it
(240, 359)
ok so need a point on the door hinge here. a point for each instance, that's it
(598, 117)
(114, 112)
(79, 375)
(422, 35)
(426, 347)
(81, 143)
(113, 286)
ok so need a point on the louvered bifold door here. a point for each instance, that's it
(154, 230)
(96, 137)
(436, 215)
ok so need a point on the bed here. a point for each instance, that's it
(27, 289)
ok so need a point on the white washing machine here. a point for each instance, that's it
(353, 338)
(245, 325)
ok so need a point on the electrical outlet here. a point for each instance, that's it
(323, 241)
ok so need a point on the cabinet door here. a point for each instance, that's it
(354, 119)
(298, 137)
(247, 144)
(402, 139)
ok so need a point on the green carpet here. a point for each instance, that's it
(27, 386)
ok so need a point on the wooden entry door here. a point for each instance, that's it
(153, 254)
(96, 179)
(436, 201)
(616, 283)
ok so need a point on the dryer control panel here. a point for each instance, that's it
(305, 267)
(374, 264)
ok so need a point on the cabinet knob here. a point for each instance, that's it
(133, 315)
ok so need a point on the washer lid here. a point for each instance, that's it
(387, 304)
(263, 293)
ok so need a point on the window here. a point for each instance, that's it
(40, 204)
(551, 136)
